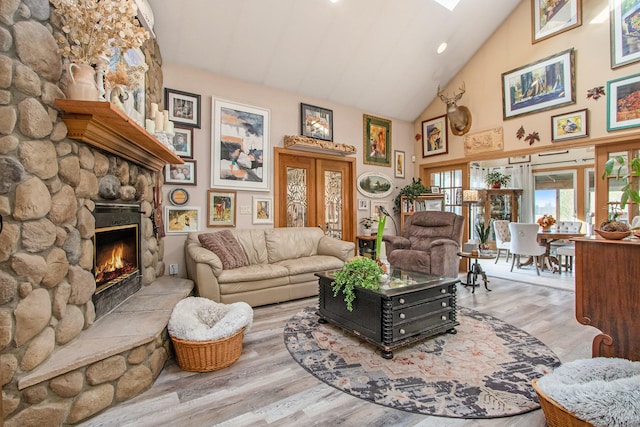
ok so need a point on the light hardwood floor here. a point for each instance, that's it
(267, 387)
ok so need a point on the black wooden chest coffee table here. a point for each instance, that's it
(410, 307)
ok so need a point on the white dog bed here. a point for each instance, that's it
(602, 391)
(201, 319)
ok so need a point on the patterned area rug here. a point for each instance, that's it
(483, 371)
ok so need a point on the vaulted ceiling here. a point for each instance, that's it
(375, 55)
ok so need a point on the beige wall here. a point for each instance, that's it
(285, 120)
(509, 48)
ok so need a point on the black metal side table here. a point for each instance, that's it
(475, 269)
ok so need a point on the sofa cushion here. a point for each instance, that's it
(253, 272)
(226, 247)
(291, 243)
(254, 245)
(312, 264)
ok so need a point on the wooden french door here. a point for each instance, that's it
(315, 190)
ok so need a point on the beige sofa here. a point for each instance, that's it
(282, 263)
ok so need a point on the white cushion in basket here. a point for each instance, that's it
(201, 319)
(604, 391)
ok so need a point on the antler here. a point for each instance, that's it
(462, 91)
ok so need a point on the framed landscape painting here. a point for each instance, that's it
(624, 23)
(375, 185)
(554, 17)
(240, 148)
(377, 141)
(543, 85)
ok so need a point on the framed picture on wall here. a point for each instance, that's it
(181, 219)
(549, 18)
(316, 122)
(183, 107)
(398, 170)
(569, 126)
(542, 85)
(363, 204)
(184, 174)
(624, 22)
(183, 142)
(221, 208)
(623, 102)
(434, 136)
(240, 151)
(262, 211)
(377, 141)
(375, 185)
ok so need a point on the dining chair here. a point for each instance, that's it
(568, 252)
(524, 242)
(563, 247)
(503, 237)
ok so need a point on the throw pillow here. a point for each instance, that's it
(226, 247)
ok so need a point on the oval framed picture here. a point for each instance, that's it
(178, 197)
(375, 184)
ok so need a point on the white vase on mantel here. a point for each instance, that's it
(81, 83)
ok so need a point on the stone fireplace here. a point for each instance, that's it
(116, 258)
(65, 354)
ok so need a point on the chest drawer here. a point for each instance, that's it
(424, 324)
(408, 313)
(422, 296)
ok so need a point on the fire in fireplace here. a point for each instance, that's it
(116, 246)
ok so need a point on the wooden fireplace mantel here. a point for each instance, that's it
(102, 125)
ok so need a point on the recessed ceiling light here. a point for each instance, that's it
(442, 47)
(334, 1)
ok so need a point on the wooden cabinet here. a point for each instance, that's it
(608, 296)
(424, 202)
(496, 204)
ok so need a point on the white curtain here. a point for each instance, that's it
(522, 177)
(476, 177)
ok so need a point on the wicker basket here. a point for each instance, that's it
(556, 415)
(206, 356)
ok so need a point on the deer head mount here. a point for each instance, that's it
(459, 116)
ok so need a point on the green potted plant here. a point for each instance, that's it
(362, 272)
(624, 172)
(410, 191)
(496, 179)
(483, 230)
(367, 223)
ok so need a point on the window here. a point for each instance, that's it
(449, 183)
(554, 193)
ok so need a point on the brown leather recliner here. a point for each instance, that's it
(430, 244)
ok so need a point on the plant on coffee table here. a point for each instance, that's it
(360, 271)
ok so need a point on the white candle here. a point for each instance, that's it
(154, 110)
(169, 127)
(159, 121)
(150, 125)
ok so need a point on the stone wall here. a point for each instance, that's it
(48, 185)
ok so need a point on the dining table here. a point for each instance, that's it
(546, 238)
